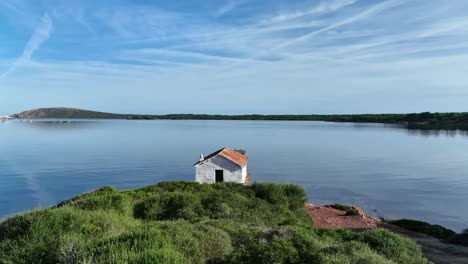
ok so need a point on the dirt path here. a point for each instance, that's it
(434, 249)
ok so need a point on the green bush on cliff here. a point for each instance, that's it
(184, 222)
(423, 227)
(460, 239)
(352, 212)
(342, 207)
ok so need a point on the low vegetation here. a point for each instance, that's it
(342, 207)
(346, 208)
(352, 212)
(460, 239)
(426, 117)
(436, 231)
(183, 222)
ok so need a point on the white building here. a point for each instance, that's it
(224, 165)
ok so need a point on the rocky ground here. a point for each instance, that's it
(437, 251)
(328, 217)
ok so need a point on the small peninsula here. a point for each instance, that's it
(188, 222)
(425, 120)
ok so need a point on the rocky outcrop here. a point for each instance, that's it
(328, 217)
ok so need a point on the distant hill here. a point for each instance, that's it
(62, 112)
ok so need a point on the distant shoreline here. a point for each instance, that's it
(426, 120)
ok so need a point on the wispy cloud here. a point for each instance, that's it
(11, 6)
(15, 8)
(284, 45)
(181, 56)
(230, 6)
(448, 27)
(354, 18)
(320, 9)
(40, 35)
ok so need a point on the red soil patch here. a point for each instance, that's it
(329, 217)
(437, 251)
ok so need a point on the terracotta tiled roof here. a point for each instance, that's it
(230, 154)
(234, 156)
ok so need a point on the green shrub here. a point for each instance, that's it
(460, 239)
(348, 209)
(199, 243)
(241, 234)
(180, 186)
(90, 229)
(19, 225)
(272, 193)
(352, 211)
(149, 209)
(71, 249)
(180, 233)
(281, 251)
(139, 245)
(113, 201)
(41, 238)
(214, 242)
(350, 253)
(393, 247)
(181, 205)
(107, 189)
(342, 207)
(112, 223)
(291, 196)
(233, 188)
(160, 256)
(105, 198)
(172, 205)
(215, 206)
(296, 196)
(100, 191)
(425, 228)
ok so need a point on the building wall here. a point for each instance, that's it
(244, 174)
(205, 173)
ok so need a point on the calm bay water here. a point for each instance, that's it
(386, 170)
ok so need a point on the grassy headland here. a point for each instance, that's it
(185, 222)
(416, 120)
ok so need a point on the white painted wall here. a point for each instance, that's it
(244, 174)
(206, 172)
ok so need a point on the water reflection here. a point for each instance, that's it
(53, 124)
(437, 132)
(418, 131)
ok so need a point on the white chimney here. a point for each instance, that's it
(201, 157)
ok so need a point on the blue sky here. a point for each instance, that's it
(234, 56)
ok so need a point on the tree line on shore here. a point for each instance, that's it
(424, 117)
